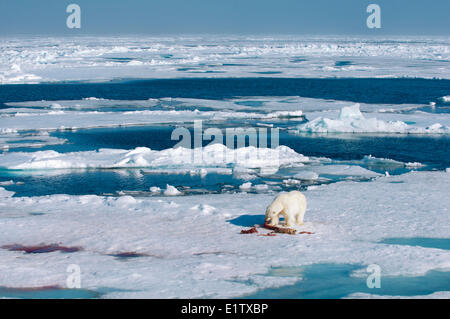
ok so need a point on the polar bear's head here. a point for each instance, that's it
(273, 213)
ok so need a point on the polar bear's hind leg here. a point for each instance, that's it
(301, 211)
(288, 218)
(299, 219)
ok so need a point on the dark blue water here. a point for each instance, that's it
(135, 182)
(367, 90)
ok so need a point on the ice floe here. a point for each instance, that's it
(72, 120)
(194, 242)
(171, 191)
(351, 120)
(245, 186)
(9, 140)
(155, 189)
(213, 155)
(306, 175)
(337, 169)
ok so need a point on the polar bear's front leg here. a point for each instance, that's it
(273, 220)
(273, 212)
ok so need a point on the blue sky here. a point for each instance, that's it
(154, 17)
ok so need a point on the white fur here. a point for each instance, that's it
(291, 205)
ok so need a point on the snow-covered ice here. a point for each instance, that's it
(212, 155)
(351, 120)
(191, 251)
(10, 139)
(40, 59)
(155, 189)
(171, 191)
(306, 175)
(71, 120)
(336, 169)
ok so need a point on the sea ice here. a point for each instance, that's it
(212, 155)
(351, 120)
(245, 186)
(11, 140)
(171, 191)
(155, 189)
(194, 242)
(405, 118)
(306, 175)
(38, 119)
(337, 169)
(41, 59)
(261, 187)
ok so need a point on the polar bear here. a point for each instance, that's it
(291, 205)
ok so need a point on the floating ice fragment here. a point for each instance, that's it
(261, 187)
(171, 191)
(93, 99)
(55, 106)
(155, 189)
(7, 183)
(413, 164)
(351, 120)
(291, 181)
(245, 186)
(306, 175)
